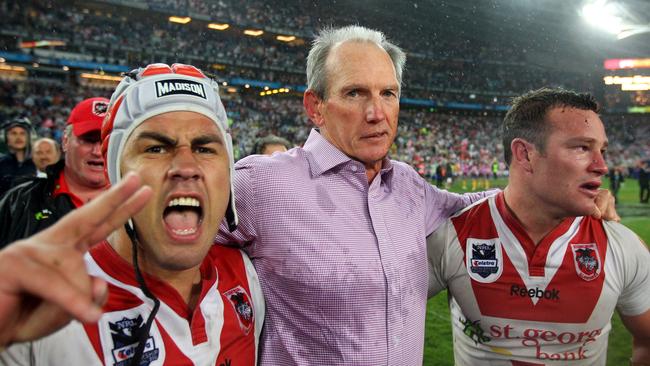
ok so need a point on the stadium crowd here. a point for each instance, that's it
(449, 69)
(441, 69)
(467, 143)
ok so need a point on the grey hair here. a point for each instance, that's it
(329, 37)
(67, 132)
(48, 140)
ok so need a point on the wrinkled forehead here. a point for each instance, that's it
(178, 125)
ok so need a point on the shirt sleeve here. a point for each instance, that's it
(441, 204)
(245, 234)
(632, 260)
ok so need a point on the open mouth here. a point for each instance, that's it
(183, 216)
(96, 164)
(590, 188)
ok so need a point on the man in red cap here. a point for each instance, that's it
(73, 181)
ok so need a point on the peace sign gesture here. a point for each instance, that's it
(43, 278)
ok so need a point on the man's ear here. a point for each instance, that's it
(522, 151)
(313, 104)
(64, 143)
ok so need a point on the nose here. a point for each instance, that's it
(375, 110)
(184, 165)
(598, 165)
(97, 148)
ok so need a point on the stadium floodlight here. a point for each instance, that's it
(219, 26)
(634, 30)
(604, 15)
(285, 38)
(12, 68)
(253, 32)
(102, 77)
(180, 20)
(613, 18)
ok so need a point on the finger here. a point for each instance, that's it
(85, 221)
(45, 319)
(25, 275)
(100, 291)
(596, 214)
(116, 218)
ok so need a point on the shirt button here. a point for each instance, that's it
(353, 168)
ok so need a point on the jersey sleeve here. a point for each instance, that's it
(259, 306)
(18, 354)
(633, 269)
(437, 244)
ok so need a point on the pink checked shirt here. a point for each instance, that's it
(342, 263)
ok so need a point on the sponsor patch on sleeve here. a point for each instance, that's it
(484, 259)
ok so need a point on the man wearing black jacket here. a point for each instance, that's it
(18, 162)
(73, 181)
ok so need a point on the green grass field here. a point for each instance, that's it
(437, 344)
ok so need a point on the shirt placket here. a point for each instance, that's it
(394, 324)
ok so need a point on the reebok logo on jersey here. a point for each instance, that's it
(179, 86)
(536, 292)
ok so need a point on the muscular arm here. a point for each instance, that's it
(639, 326)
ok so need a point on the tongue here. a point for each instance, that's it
(182, 219)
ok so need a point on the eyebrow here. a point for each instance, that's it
(207, 139)
(587, 140)
(166, 140)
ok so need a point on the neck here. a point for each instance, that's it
(372, 170)
(20, 155)
(532, 216)
(186, 282)
(82, 191)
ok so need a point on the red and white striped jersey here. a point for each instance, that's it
(223, 329)
(516, 303)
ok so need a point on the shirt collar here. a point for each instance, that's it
(61, 187)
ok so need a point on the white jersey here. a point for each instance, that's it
(516, 303)
(223, 328)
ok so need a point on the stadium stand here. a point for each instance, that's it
(455, 88)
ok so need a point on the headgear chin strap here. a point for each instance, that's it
(145, 93)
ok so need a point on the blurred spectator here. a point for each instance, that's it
(269, 144)
(18, 161)
(616, 179)
(70, 183)
(46, 152)
(644, 181)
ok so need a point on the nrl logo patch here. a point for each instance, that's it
(587, 260)
(124, 334)
(179, 86)
(241, 303)
(100, 108)
(484, 259)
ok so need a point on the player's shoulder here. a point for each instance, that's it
(277, 162)
(619, 234)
